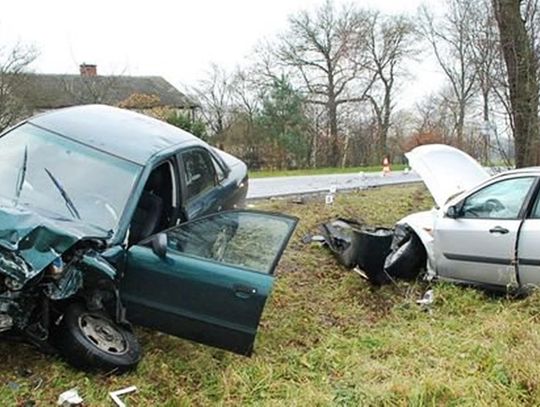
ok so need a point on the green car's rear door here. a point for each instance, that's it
(213, 282)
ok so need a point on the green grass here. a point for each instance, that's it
(327, 338)
(320, 171)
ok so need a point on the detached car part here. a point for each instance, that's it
(355, 244)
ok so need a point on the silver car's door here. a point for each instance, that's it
(479, 245)
(528, 248)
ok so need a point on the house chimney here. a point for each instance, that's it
(88, 70)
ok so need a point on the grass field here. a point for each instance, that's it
(327, 338)
(320, 171)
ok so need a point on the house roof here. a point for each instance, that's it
(123, 133)
(52, 91)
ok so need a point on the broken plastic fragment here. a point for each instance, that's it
(309, 238)
(69, 398)
(115, 395)
(427, 299)
(361, 273)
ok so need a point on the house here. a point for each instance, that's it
(145, 94)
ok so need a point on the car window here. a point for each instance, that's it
(251, 240)
(199, 172)
(219, 170)
(501, 200)
(536, 209)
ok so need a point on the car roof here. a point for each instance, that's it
(519, 171)
(123, 133)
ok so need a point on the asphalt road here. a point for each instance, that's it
(309, 184)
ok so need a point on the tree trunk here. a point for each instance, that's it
(487, 131)
(332, 113)
(521, 69)
(385, 123)
(345, 152)
(460, 124)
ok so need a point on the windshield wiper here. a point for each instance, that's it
(69, 203)
(22, 175)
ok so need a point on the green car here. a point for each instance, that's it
(110, 218)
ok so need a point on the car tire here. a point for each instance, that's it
(90, 340)
(407, 258)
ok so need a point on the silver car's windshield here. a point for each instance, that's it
(57, 175)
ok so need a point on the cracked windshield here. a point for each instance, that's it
(56, 175)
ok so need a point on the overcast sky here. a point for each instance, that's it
(174, 39)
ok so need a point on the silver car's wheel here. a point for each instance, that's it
(105, 335)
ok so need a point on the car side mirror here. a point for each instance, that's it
(452, 212)
(159, 245)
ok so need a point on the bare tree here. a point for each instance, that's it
(246, 92)
(246, 103)
(485, 51)
(487, 61)
(323, 50)
(531, 17)
(390, 42)
(521, 68)
(434, 117)
(14, 63)
(214, 95)
(450, 39)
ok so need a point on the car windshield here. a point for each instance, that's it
(49, 172)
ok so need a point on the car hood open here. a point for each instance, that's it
(37, 239)
(445, 170)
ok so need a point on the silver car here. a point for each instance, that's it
(484, 230)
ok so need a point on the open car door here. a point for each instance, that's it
(208, 279)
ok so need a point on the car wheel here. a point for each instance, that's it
(90, 340)
(408, 256)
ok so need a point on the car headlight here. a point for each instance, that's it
(13, 284)
(56, 268)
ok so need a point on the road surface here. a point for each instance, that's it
(309, 184)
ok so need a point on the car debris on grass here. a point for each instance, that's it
(115, 395)
(380, 254)
(70, 398)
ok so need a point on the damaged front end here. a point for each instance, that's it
(381, 254)
(407, 257)
(43, 265)
(30, 300)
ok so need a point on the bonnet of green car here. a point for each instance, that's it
(30, 241)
